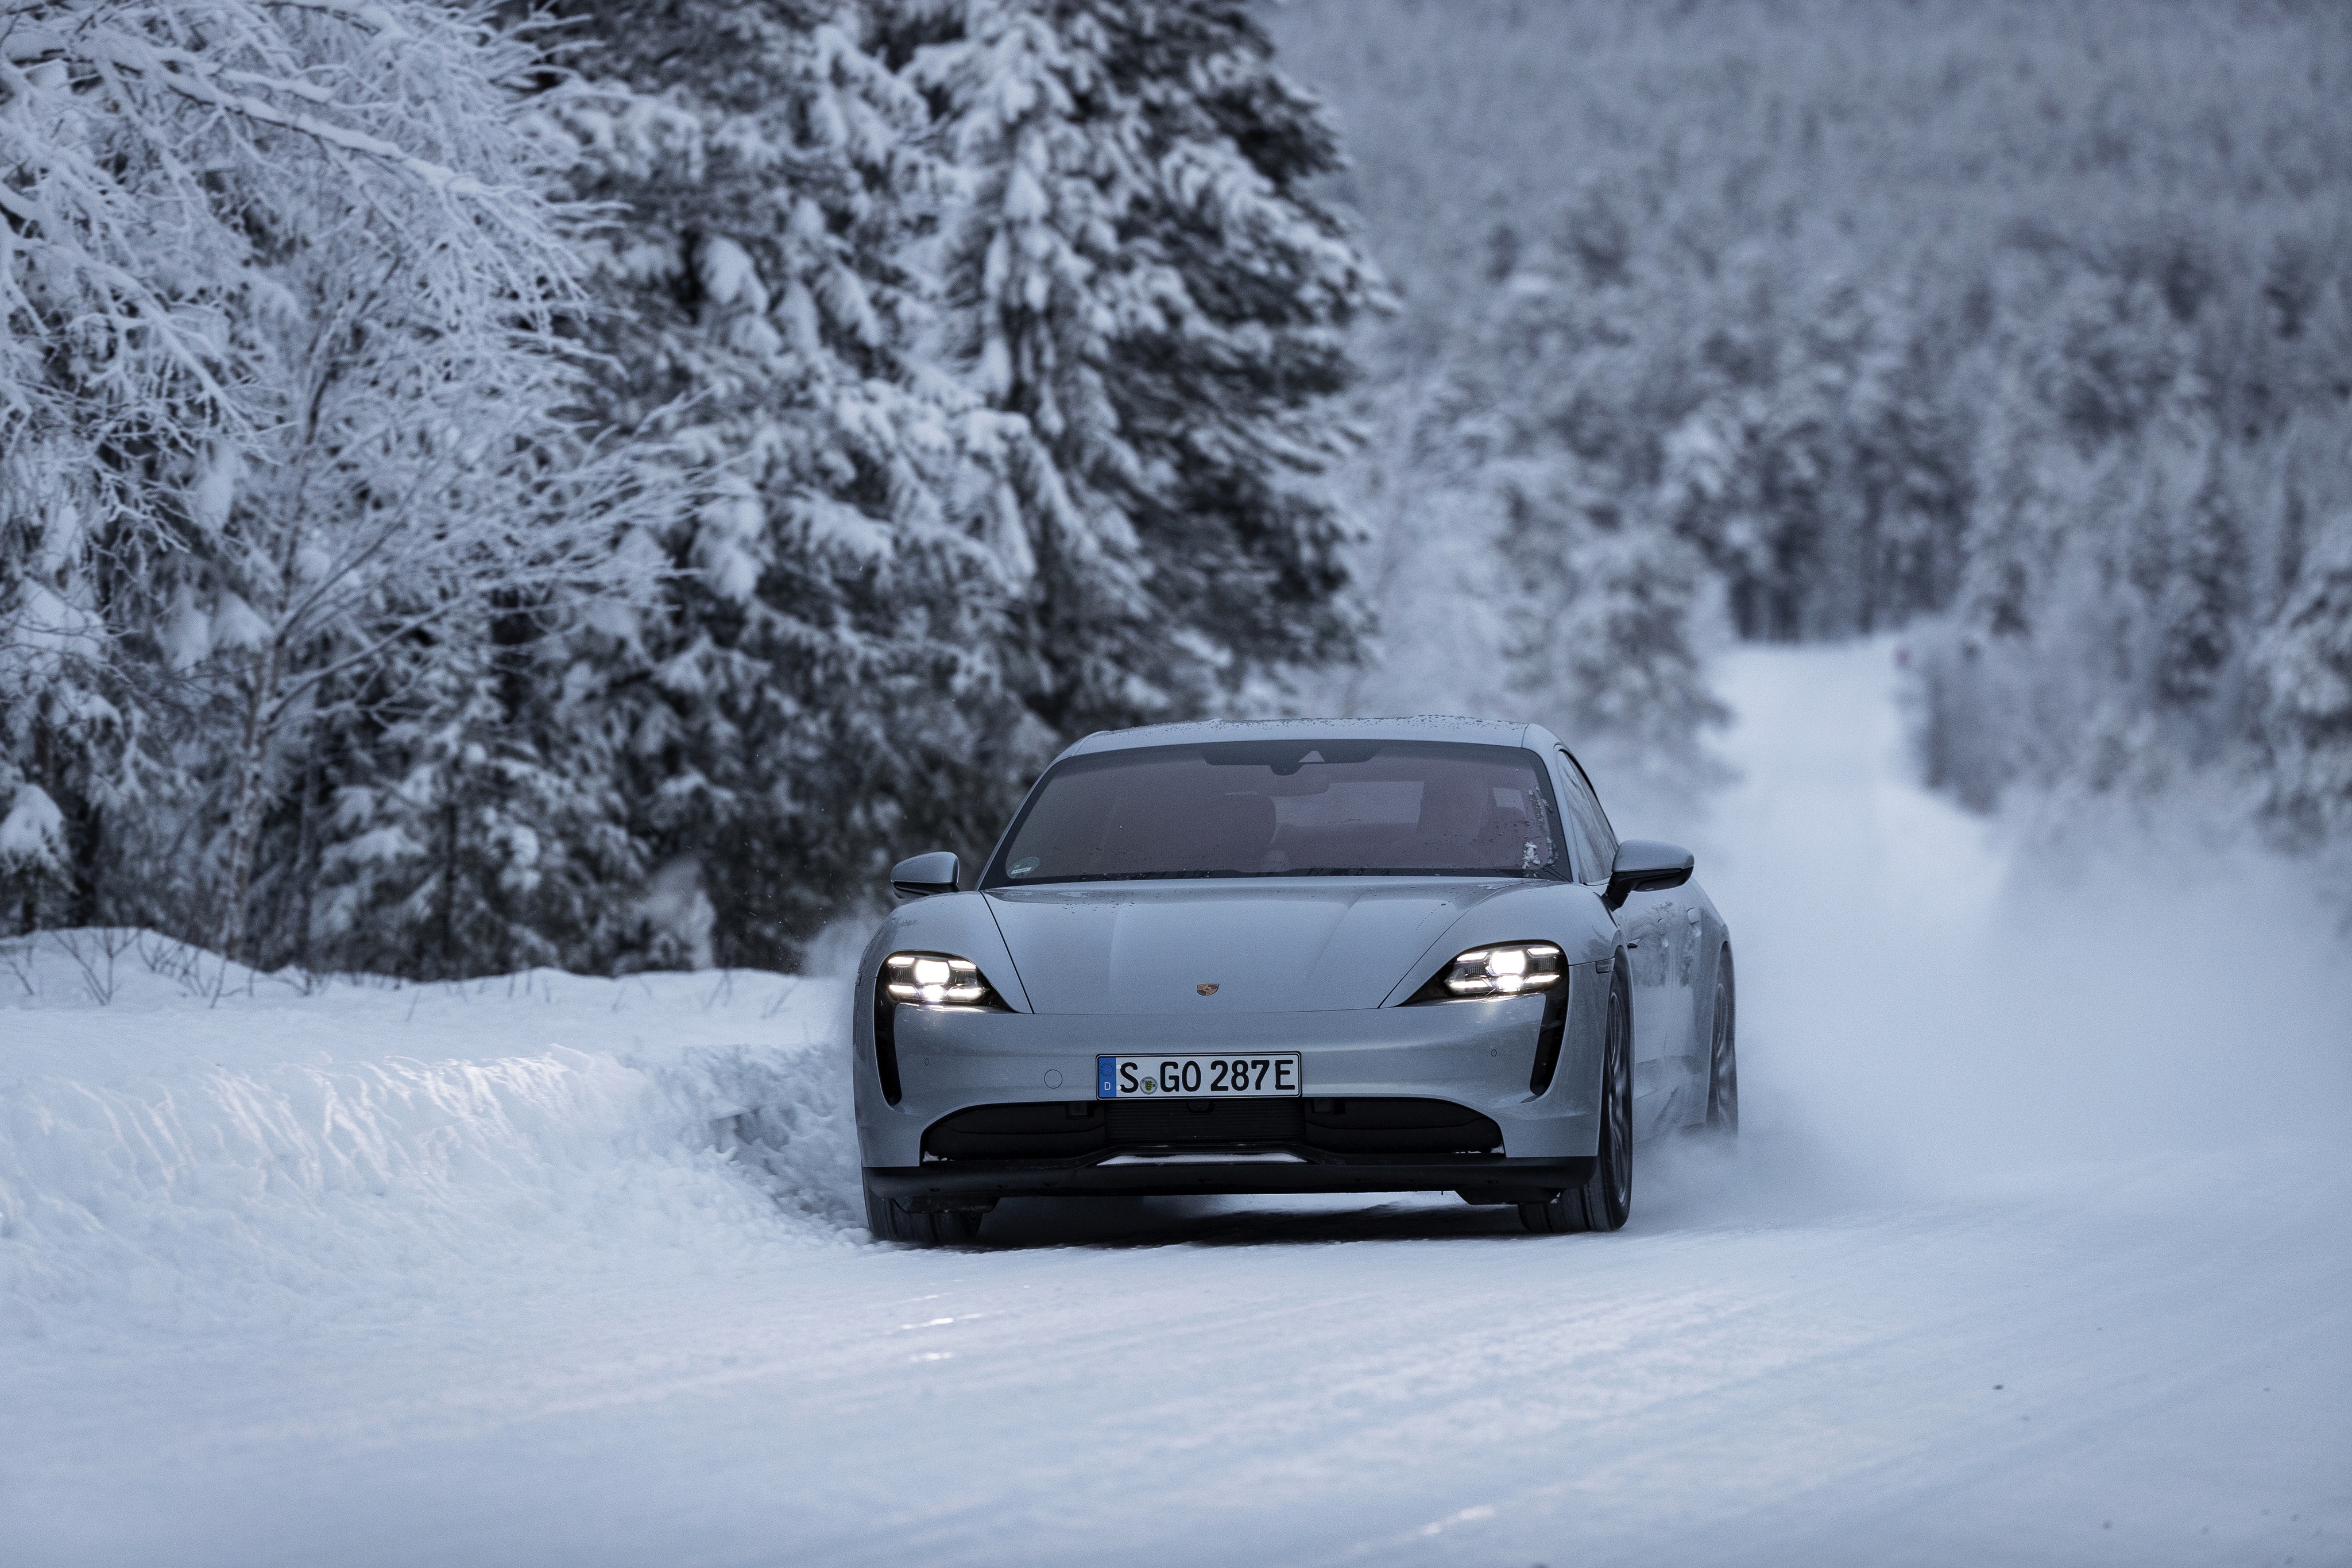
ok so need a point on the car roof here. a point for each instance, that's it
(1417, 726)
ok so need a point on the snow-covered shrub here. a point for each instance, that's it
(288, 443)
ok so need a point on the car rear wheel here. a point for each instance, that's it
(1605, 1199)
(1723, 1057)
(890, 1220)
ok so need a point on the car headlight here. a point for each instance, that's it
(935, 980)
(1505, 969)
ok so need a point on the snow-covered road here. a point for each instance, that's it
(2035, 1251)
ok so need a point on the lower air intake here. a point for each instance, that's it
(1206, 1122)
(1376, 1124)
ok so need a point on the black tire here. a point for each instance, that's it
(1605, 1198)
(1723, 1056)
(890, 1220)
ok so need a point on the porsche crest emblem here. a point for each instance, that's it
(1207, 988)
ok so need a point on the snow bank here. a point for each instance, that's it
(188, 1143)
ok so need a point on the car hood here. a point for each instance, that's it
(1284, 945)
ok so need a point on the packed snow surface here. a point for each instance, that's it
(2034, 1250)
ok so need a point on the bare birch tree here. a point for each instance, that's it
(281, 394)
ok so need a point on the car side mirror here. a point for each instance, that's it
(923, 875)
(1646, 865)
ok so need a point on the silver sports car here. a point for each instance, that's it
(1300, 956)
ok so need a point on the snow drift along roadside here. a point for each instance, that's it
(190, 1143)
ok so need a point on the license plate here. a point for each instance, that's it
(1197, 1077)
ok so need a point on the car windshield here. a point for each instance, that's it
(1293, 807)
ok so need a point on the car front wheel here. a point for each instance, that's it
(890, 1220)
(1605, 1198)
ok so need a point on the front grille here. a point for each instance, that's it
(1206, 1121)
(1377, 1124)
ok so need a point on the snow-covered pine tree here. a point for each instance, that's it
(1140, 269)
(61, 739)
(1434, 616)
(2306, 660)
(1030, 260)
(67, 734)
(2203, 609)
(1861, 462)
(459, 826)
(1611, 614)
(1608, 608)
(818, 686)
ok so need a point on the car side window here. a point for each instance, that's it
(1596, 844)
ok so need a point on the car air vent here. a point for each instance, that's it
(1051, 1130)
(1206, 1122)
(1376, 1125)
(1386, 1125)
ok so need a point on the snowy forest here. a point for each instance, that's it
(591, 485)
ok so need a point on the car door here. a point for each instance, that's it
(1658, 961)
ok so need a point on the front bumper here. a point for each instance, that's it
(1483, 1178)
(1475, 1054)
